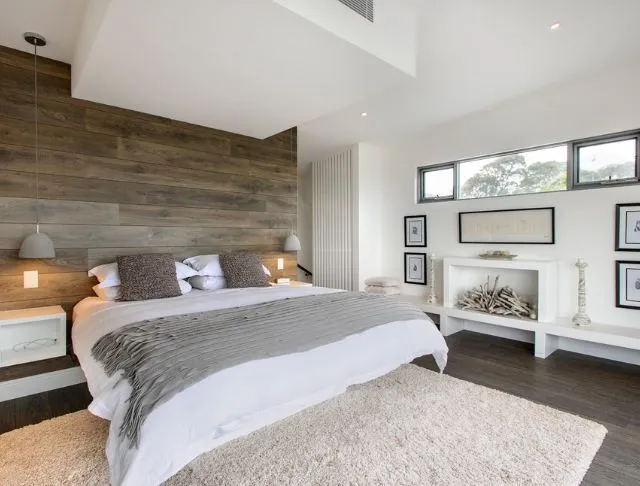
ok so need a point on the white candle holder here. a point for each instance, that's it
(431, 298)
(581, 318)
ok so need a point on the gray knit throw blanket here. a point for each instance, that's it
(161, 357)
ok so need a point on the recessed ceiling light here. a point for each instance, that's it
(554, 26)
(364, 113)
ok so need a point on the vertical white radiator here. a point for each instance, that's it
(333, 222)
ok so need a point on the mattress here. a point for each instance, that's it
(237, 400)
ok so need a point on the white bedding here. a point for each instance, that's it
(237, 400)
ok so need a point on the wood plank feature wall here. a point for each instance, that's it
(116, 182)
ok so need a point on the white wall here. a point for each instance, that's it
(305, 220)
(597, 104)
(368, 162)
(367, 185)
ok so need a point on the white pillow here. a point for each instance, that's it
(383, 282)
(209, 266)
(376, 289)
(108, 276)
(205, 265)
(113, 293)
(208, 283)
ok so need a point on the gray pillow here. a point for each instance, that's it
(243, 270)
(148, 276)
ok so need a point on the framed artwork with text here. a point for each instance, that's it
(508, 226)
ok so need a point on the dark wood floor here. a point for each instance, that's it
(604, 391)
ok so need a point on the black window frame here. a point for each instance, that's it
(590, 142)
(435, 168)
(572, 167)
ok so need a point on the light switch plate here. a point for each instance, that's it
(31, 279)
(280, 263)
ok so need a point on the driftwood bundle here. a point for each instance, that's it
(493, 300)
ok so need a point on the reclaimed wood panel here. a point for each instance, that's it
(51, 285)
(66, 261)
(23, 210)
(24, 60)
(18, 104)
(190, 236)
(65, 139)
(76, 236)
(101, 122)
(134, 214)
(22, 184)
(117, 182)
(20, 159)
(100, 256)
(49, 85)
(261, 151)
(155, 153)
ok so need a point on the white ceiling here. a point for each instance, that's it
(58, 20)
(472, 54)
(477, 53)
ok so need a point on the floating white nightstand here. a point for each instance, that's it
(32, 334)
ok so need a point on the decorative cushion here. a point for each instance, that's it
(243, 270)
(147, 276)
(209, 266)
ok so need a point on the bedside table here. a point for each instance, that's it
(292, 283)
(32, 334)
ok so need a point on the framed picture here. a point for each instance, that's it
(415, 268)
(628, 284)
(628, 227)
(508, 226)
(415, 230)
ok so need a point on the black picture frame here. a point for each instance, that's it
(423, 266)
(621, 281)
(620, 210)
(552, 221)
(407, 221)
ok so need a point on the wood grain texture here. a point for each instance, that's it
(116, 182)
(52, 285)
(23, 60)
(154, 153)
(101, 122)
(134, 214)
(23, 210)
(67, 260)
(16, 158)
(100, 256)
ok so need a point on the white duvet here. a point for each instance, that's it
(237, 400)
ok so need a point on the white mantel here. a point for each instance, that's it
(536, 278)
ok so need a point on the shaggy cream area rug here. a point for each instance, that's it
(410, 427)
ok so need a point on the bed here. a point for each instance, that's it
(237, 400)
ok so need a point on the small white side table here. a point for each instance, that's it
(32, 334)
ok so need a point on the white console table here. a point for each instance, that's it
(538, 279)
(545, 334)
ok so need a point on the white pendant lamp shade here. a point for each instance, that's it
(292, 243)
(37, 245)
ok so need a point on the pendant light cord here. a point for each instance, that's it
(35, 70)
